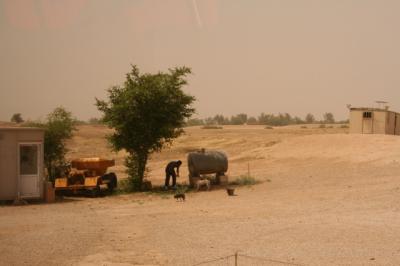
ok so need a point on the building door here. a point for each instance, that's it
(29, 170)
(367, 123)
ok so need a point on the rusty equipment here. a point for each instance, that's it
(88, 174)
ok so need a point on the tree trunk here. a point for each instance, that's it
(142, 161)
(136, 168)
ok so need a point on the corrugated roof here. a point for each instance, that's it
(368, 109)
(371, 109)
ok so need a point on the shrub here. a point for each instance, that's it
(123, 186)
(344, 126)
(269, 127)
(322, 126)
(244, 180)
(303, 127)
(59, 127)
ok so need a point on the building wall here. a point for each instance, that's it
(390, 123)
(379, 122)
(9, 140)
(8, 165)
(393, 127)
(397, 129)
(374, 125)
(356, 118)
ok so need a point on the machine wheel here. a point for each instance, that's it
(217, 175)
(112, 181)
(96, 192)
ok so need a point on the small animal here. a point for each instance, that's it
(203, 182)
(180, 196)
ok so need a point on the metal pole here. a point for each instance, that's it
(236, 258)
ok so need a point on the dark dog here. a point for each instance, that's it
(180, 196)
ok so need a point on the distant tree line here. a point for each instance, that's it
(281, 119)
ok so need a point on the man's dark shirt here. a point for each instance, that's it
(170, 167)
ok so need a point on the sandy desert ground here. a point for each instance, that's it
(325, 198)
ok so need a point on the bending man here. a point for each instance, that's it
(170, 171)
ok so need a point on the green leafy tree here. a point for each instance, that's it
(329, 118)
(297, 120)
(252, 121)
(220, 120)
(147, 112)
(310, 118)
(59, 127)
(17, 118)
(285, 119)
(239, 119)
(263, 119)
(209, 121)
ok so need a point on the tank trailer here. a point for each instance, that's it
(206, 162)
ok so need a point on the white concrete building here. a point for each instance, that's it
(21, 163)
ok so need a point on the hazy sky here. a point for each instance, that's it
(248, 56)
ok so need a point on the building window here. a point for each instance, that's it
(367, 115)
(28, 159)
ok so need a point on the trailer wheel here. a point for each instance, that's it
(112, 184)
(96, 192)
(217, 177)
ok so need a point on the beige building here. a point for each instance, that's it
(374, 121)
(21, 163)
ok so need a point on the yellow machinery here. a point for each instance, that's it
(88, 174)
